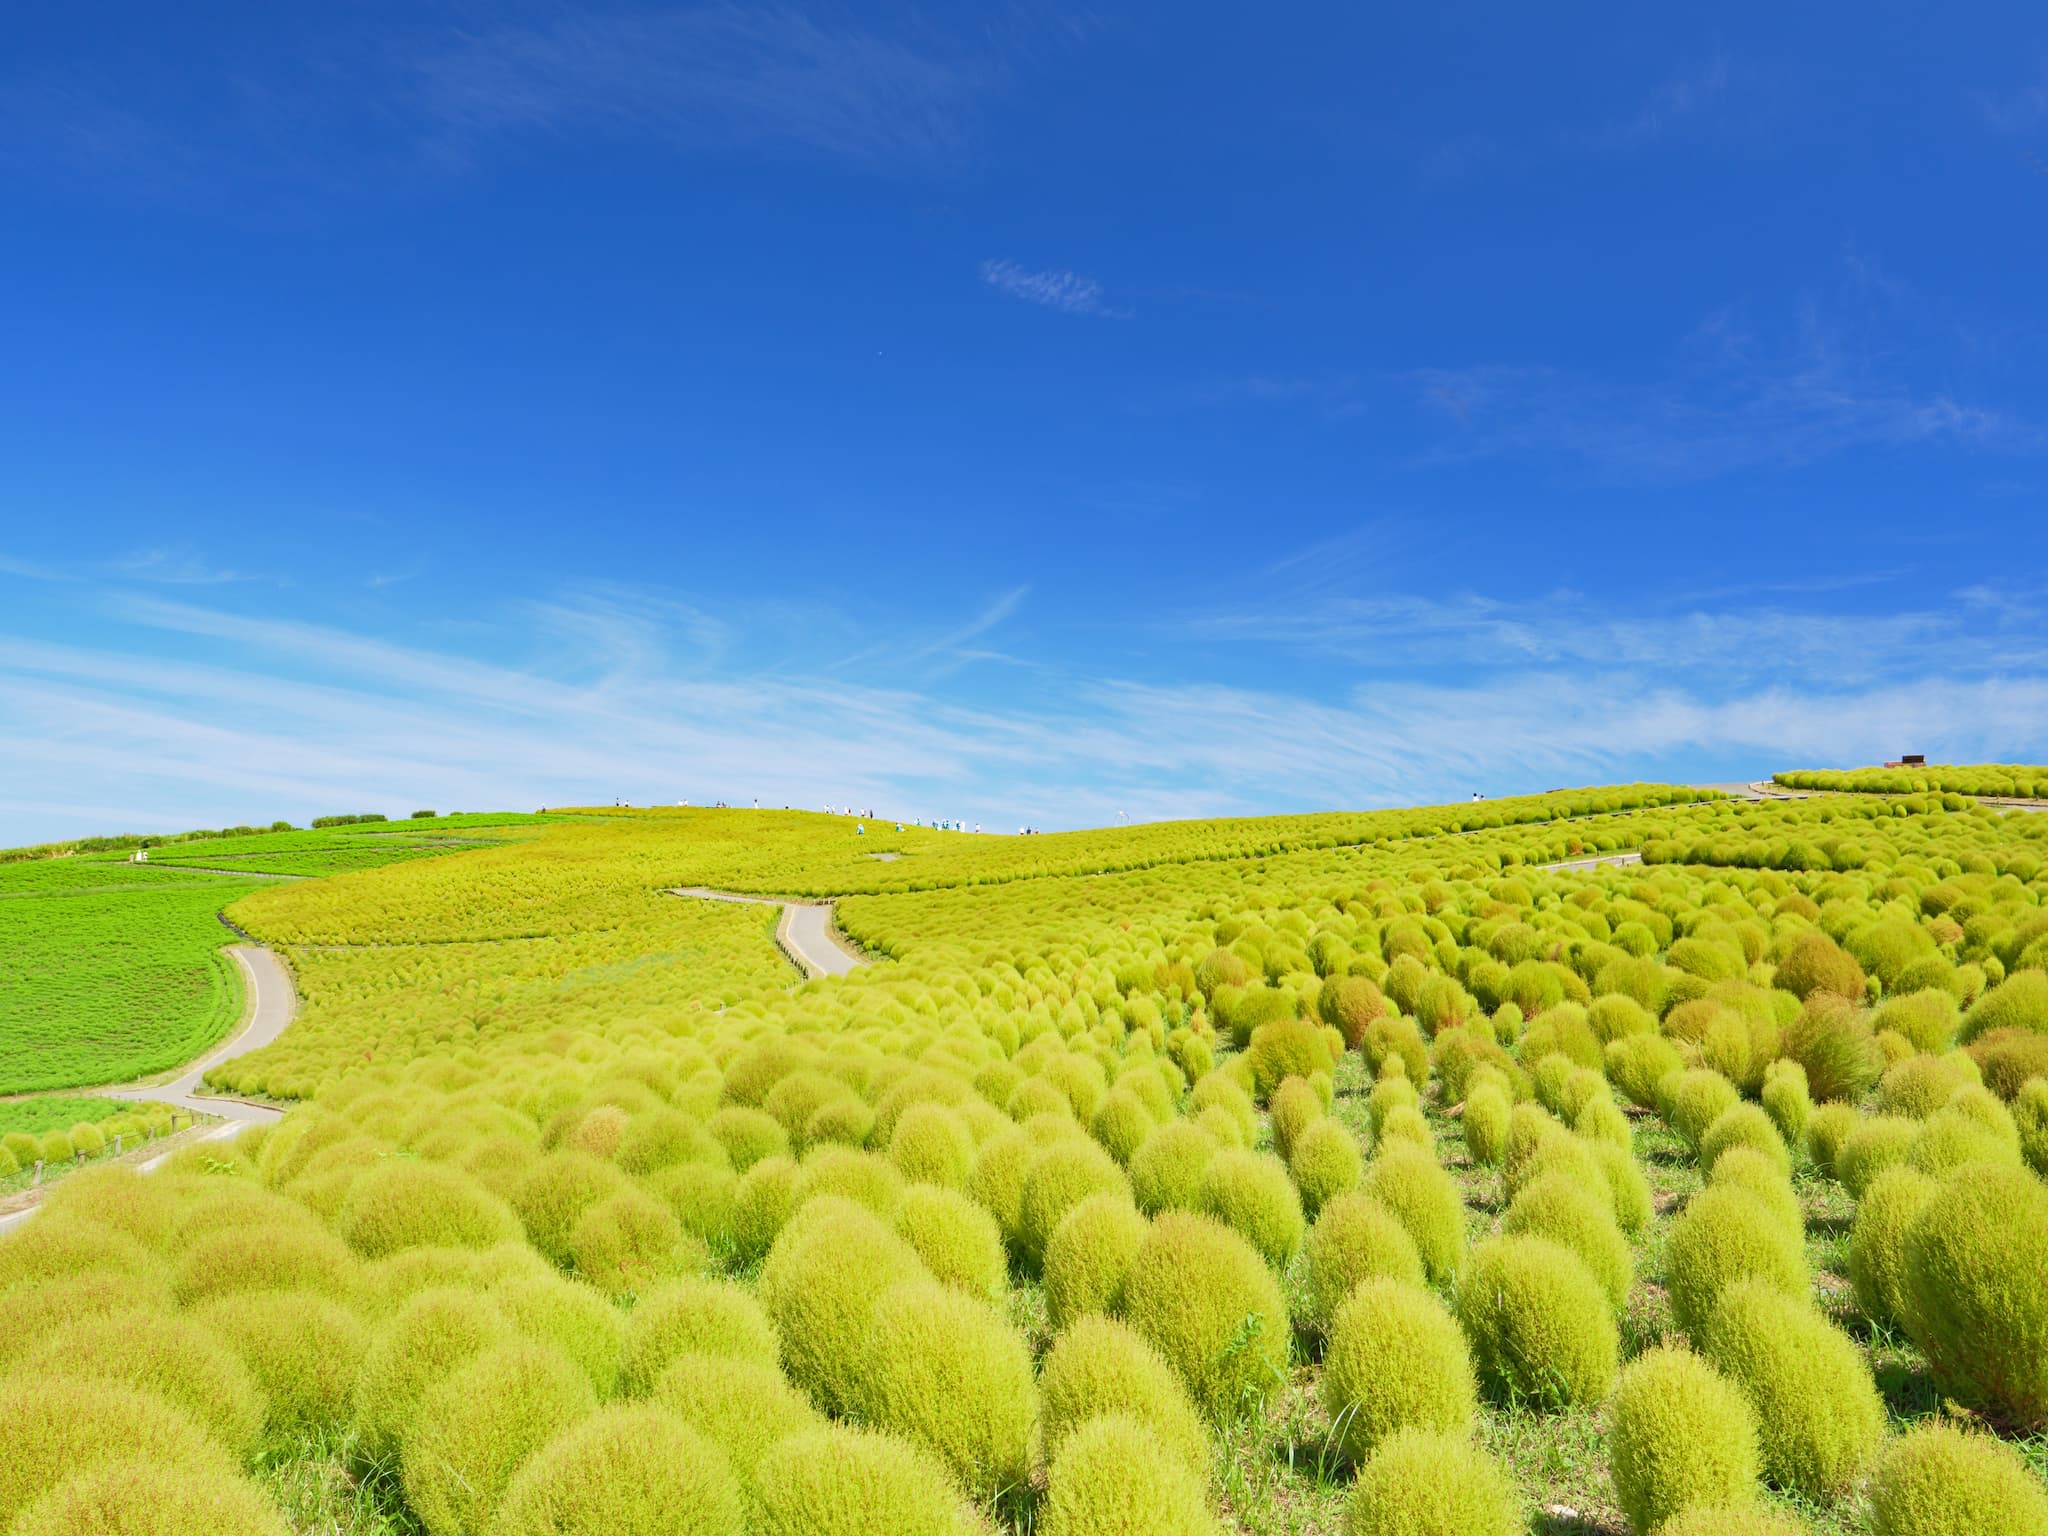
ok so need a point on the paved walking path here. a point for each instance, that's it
(1615, 859)
(805, 931)
(271, 1004)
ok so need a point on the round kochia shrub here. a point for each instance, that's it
(134, 1497)
(1425, 1200)
(408, 1203)
(931, 1145)
(303, 1352)
(1567, 1213)
(1877, 1241)
(1541, 1330)
(819, 1287)
(1816, 963)
(181, 1361)
(1819, 1418)
(1059, 1178)
(1833, 1043)
(1325, 1162)
(1743, 1125)
(431, 1335)
(1395, 1361)
(1485, 1125)
(1694, 1100)
(840, 1481)
(1100, 1366)
(1423, 1482)
(567, 1315)
(1939, 1481)
(290, 1259)
(1732, 1520)
(1356, 1238)
(1204, 1299)
(624, 1471)
(691, 1316)
(1295, 1106)
(1726, 1234)
(1252, 1193)
(946, 1371)
(1975, 1257)
(761, 1203)
(741, 1406)
(1876, 1143)
(1088, 1257)
(1168, 1170)
(59, 1428)
(959, 1242)
(2018, 1002)
(1110, 1480)
(475, 1428)
(1679, 1438)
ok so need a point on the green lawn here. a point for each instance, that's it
(111, 973)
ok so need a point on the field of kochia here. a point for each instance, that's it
(1356, 1174)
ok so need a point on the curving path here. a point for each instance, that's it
(272, 1003)
(805, 931)
(1616, 860)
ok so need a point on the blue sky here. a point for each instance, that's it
(1021, 413)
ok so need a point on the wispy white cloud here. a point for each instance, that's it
(707, 75)
(208, 716)
(1684, 97)
(29, 570)
(1055, 288)
(178, 566)
(1733, 402)
(2021, 109)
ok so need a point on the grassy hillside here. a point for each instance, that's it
(1331, 1174)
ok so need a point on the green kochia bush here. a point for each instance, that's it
(1059, 1178)
(692, 1316)
(1356, 1238)
(946, 1371)
(624, 1471)
(1109, 1479)
(1567, 1213)
(1743, 1125)
(1877, 1241)
(1694, 1100)
(1395, 1361)
(741, 1406)
(135, 1497)
(304, 1352)
(404, 1202)
(54, 1434)
(178, 1359)
(1876, 1143)
(1424, 1482)
(1738, 1520)
(477, 1426)
(840, 1481)
(1727, 1234)
(1975, 1257)
(1100, 1366)
(1090, 1253)
(1819, 1418)
(431, 1335)
(1541, 1330)
(1486, 1125)
(819, 1286)
(1936, 1480)
(1203, 1298)
(959, 1242)
(1252, 1193)
(1425, 1200)
(1167, 1171)
(1680, 1437)
(1325, 1162)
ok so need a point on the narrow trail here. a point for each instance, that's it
(272, 1003)
(1615, 860)
(805, 931)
